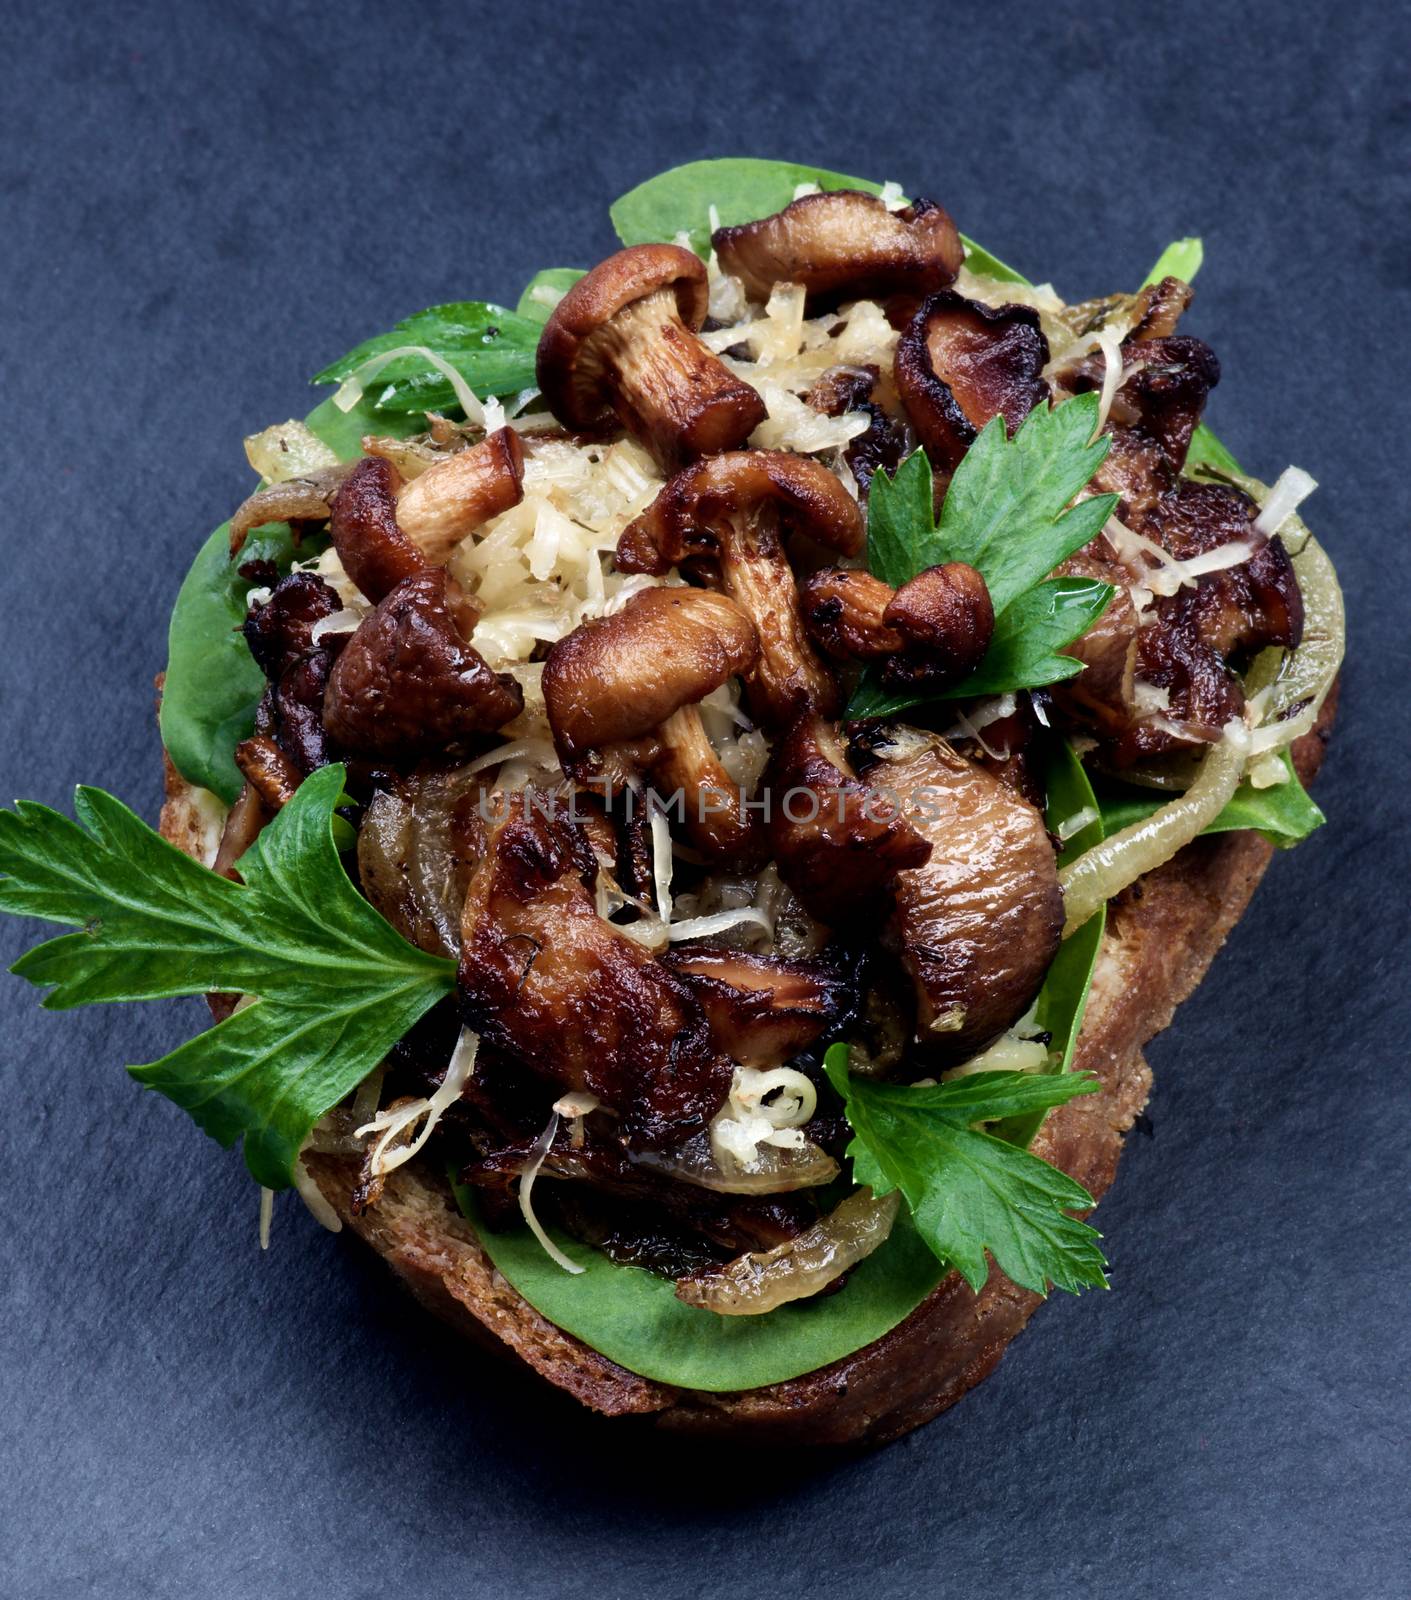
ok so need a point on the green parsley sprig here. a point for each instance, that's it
(1008, 513)
(335, 985)
(970, 1192)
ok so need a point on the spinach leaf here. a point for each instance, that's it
(1284, 814)
(1180, 259)
(558, 279)
(742, 189)
(492, 348)
(635, 1319)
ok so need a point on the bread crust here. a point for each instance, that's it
(1160, 939)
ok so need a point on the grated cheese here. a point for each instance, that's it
(390, 1152)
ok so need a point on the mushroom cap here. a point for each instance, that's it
(571, 386)
(961, 363)
(693, 513)
(844, 245)
(622, 676)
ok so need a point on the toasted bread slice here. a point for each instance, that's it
(1160, 939)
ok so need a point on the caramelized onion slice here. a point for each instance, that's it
(774, 1170)
(757, 1282)
(1091, 881)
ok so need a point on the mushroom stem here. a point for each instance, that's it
(755, 573)
(714, 819)
(669, 390)
(451, 499)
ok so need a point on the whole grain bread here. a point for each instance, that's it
(1160, 938)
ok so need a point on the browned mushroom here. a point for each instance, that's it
(242, 827)
(1205, 629)
(722, 520)
(621, 345)
(844, 389)
(978, 924)
(961, 363)
(384, 532)
(1159, 308)
(762, 1010)
(838, 843)
(268, 770)
(448, 501)
(621, 695)
(408, 683)
(1102, 697)
(548, 981)
(929, 633)
(844, 245)
(280, 636)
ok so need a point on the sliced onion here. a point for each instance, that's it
(755, 1283)
(1297, 681)
(1115, 864)
(774, 1171)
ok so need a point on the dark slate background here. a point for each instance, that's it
(204, 203)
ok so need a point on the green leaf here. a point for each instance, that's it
(969, 1191)
(902, 539)
(337, 984)
(1179, 260)
(558, 280)
(1063, 1000)
(1005, 510)
(634, 1318)
(212, 684)
(742, 189)
(1207, 451)
(1284, 813)
(492, 348)
(1023, 652)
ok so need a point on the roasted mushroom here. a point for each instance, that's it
(960, 363)
(280, 635)
(408, 683)
(838, 843)
(384, 532)
(844, 389)
(723, 520)
(844, 245)
(547, 980)
(268, 770)
(977, 924)
(762, 1010)
(931, 632)
(621, 696)
(451, 499)
(621, 345)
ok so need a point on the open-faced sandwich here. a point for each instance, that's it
(688, 797)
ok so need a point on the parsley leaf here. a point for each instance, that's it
(337, 984)
(1004, 511)
(1007, 514)
(493, 349)
(970, 1192)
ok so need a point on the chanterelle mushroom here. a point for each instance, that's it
(409, 683)
(558, 988)
(722, 520)
(385, 532)
(961, 363)
(621, 346)
(932, 631)
(621, 696)
(844, 245)
(978, 924)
